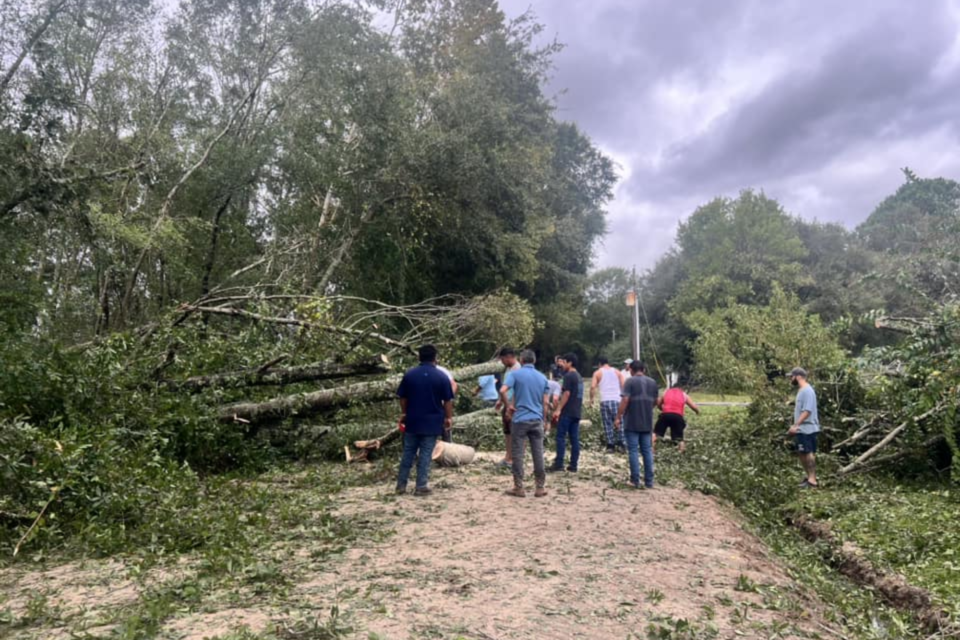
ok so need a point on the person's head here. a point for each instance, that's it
(508, 357)
(527, 356)
(427, 353)
(637, 367)
(626, 363)
(798, 376)
(568, 361)
(602, 361)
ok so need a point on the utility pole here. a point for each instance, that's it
(633, 300)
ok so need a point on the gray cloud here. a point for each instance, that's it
(817, 103)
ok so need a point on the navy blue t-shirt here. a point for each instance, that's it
(425, 388)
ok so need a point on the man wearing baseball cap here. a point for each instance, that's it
(806, 426)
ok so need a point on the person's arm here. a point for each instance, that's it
(594, 383)
(502, 402)
(619, 378)
(660, 403)
(795, 429)
(546, 410)
(448, 410)
(403, 412)
(624, 401)
(454, 386)
(563, 402)
(691, 404)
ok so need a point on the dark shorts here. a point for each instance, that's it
(806, 442)
(674, 421)
(507, 421)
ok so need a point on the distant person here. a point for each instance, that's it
(639, 396)
(426, 405)
(555, 392)
(509, 359)
(567, 414)
(806, 426)
(447, 435)
(528, 408)
(487, 390)
(608, 381)
(672, 405)
(625, 372)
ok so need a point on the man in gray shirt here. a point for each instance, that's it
(806, 426)
(637, 399)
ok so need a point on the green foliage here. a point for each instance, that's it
(744, 347)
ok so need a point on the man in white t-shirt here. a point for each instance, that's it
(608, 381)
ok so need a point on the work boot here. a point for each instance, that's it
(611, 448)
(540, 492)
(517, 492)
(401, 489)
(423, 491)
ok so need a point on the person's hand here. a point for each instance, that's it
(556, 416)
(447, 424)
(402, 424)
(794, 430)
(511, 410)
(616, 424)
(497, 406)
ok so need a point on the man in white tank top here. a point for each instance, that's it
(609, 382)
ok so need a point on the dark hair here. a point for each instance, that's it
(571, 358)
(506, 351)
(427, 353)
(638, 367)
(527, 356)
(602, 360)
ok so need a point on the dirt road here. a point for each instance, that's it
(593, 560)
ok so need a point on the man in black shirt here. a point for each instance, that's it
(567, 414)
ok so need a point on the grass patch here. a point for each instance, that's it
(912, 530)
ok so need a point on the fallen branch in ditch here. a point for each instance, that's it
(850, 560)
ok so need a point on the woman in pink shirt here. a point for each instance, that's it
(672, 405)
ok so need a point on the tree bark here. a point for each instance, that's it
(304, 403)
(282, 376)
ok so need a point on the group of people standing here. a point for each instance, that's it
(530, 404)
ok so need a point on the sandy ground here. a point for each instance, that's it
(592, 560)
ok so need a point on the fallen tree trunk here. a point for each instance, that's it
(266, 376)
(304, 403)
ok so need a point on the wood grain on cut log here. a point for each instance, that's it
(283, 375)
(365, 447)
(304, 403)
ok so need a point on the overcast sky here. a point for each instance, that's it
(818, 103)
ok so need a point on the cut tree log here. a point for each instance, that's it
(266, 376)
(365, 447)
(305, 403)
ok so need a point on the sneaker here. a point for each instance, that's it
(552, 469)
(401, 490)
(504, 464)
(516, 492)
(572, 469)
(806, 484)
(423, 491)
(540, 492)
(611, 448)
(635, 485)
(648, 486)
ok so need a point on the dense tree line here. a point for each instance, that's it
(151, 155)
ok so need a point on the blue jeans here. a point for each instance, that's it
(411, 444)
(568, 426)
(643, 442)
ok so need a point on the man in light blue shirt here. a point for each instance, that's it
(806, 426)
(528, 408)
(487, 390)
